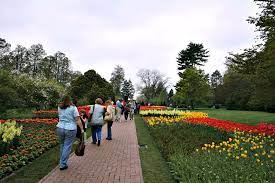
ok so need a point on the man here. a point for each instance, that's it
(118, 110)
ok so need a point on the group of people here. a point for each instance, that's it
(74, 124)
(128, 109)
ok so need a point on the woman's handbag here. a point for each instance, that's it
(79, 151)
(108, 118)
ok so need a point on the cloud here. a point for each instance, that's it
(134, 34)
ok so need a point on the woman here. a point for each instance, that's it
(66, 129)
(110, 112)
(96, 120)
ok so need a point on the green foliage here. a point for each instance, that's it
(117, 78)
(249, 82)
(218, 168)
(194, 55)
(35, 63)
(91, 86)
(184, 138)
(127, 90)
(193, 88)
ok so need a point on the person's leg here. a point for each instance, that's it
(98, 133)
(93, 129)
(109, 130)
(119, 114)
(61, 135)
(126, 113)
(69, 139)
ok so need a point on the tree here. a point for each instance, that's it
(36, 53)
(216, 81)
(170, 96)
(8, 94)
(19, 57)
(194, 55)
(127, 90)
(193, 88)
(265, 21)
(5, 62)
(152, 83)
(91, 86)
(117, 78)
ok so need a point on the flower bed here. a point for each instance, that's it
(232, 126)
(173, 113)
(228, 155)
(45, 114)
(143, 108)
(36, 138)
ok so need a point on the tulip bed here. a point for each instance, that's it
(37, 136)
(202, 149)
(45, 114)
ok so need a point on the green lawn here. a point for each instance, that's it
(248, 117)
(154, 167)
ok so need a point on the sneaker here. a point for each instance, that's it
(64, 168)
(108, 138)
(93, 142)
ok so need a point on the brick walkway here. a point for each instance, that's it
(114, 161)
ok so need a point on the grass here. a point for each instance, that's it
(38, 168)
(154, 167)
(247, 117)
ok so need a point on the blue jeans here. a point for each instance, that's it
(66, 138)
(96, 132)
(109, 129)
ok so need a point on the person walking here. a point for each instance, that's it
(96, 121)
(118, 110)
(109, 116)
(132, 109)
(127, 110)
(66, 129)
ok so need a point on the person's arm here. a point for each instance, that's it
(77, 119)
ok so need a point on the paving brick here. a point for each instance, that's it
(114, 161)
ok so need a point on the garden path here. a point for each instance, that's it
(114, 161)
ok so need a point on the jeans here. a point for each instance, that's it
(109, 129)
(126, 113)
(96, 132)
(66, 138)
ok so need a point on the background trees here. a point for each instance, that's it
(90, 86)
(127, 90)
(152, 84)
(193, 87)
(117, 79)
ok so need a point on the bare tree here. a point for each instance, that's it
(152, 83)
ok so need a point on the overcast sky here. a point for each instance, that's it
(99, 34)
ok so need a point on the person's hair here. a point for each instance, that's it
(98, 101)
(84, 112)
(108, 102)
(66, 102)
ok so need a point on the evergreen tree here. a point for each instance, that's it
(117, 78)
(127, 90)
(194, 55)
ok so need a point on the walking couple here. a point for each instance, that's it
(99, 115)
